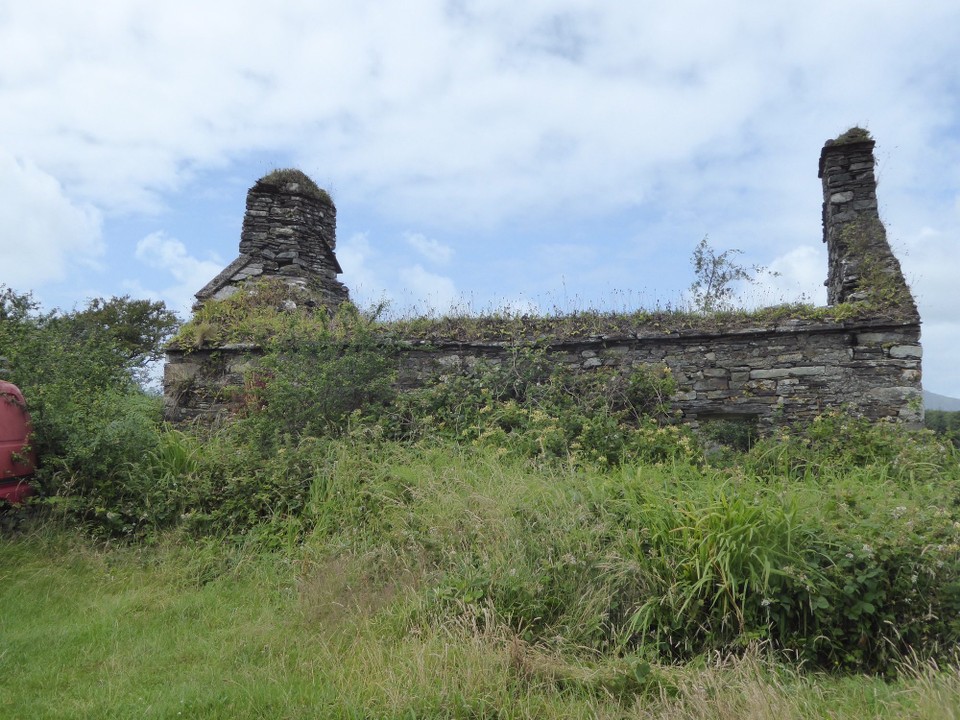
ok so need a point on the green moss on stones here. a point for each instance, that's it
(283, 177)
(853, 135)
(881, 284)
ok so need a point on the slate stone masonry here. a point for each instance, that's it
(289, 231)
(856, 239)
(776, 374)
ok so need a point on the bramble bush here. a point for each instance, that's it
(528, 406)
(311, 384)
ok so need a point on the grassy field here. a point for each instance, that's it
(435, 581)
(199, 631)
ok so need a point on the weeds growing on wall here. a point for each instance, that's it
(272, 310)
(269, 313)
(880, 284)
(280, 177)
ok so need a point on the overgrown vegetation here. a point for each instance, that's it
(853, 135)
(273, 311)
(281, 177)
(92, 420)
(545, 542)
(880, 281)
(252, 317)
(209, 631)
(944, 423)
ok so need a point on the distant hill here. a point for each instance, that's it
(932, 401)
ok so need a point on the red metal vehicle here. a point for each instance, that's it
(17, 459)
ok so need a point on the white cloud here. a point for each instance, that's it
(432, 250)
(358, 260)
(928, 260)
(796, 276)
(427, 290)
(46, 235)
(373, 276)
(169, 255)
(492, 111)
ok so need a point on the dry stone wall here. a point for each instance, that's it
(775, 374)
(860, 262)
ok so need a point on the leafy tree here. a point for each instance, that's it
(715, 275)
(944, 423)
(132, 331)
(138, 328)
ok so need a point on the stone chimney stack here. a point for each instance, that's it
(289, 232)
(290, 226)
(861, 265)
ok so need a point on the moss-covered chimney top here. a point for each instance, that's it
(291, 180)
(853, 135)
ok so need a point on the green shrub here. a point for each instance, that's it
(834, 443)
(736, 433)
(92, 422)
(529, 407)
(311, 384)
(944, 423)
(676, 561)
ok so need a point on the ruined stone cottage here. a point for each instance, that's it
(860, 354)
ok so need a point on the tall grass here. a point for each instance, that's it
(845, 564)
(216, 631)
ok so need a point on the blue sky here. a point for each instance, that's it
(538, 155)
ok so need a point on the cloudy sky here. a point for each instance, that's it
(539, 155)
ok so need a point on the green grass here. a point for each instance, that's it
(252, 317)
(201, 631)
(281, 177)
(435, 580)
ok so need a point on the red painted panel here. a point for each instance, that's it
(17, 460)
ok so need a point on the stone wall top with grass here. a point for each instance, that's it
(269, 312)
